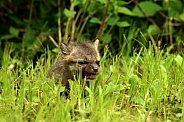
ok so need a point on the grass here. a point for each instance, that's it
(117, 95)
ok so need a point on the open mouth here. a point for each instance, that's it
(90, 76)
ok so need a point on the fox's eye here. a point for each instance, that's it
(82, 62)
(98, 62)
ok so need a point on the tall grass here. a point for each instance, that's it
(118, 94)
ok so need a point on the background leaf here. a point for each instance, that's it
(95, 20)
(14, 31)
(149, 8)
(68, 13)
(125, 11)
(107, 38)
(123, 24)
(182, 16)
(113, 20)
(154, 30)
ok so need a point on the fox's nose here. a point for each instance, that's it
(95, 69)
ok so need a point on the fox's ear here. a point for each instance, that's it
(65, 49)
(96, 42)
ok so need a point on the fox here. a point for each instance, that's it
(76, 57)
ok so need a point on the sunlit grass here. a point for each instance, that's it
(117, 95)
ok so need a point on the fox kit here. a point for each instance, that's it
(77, 57)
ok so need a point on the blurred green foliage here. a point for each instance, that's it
(128, 25)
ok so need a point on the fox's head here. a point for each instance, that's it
(82, 57)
